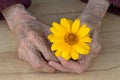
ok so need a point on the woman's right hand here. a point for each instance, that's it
(32, 35)
(34, 46)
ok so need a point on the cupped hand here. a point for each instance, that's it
(32, 35)
(34, 46)
(84, 61)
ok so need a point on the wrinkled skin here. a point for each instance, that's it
(84, 61)
(32, 35)
(34, 46)
(92, 16)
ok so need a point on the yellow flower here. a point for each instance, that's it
(70, 39)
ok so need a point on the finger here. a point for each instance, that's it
(58, 66)
(35, 59)
(66, 64)
(72, 66)
(95, 45)
(46, 29)
(22, 53)
(63, 62)
(95, 36)
(41, 43)
(85, 61)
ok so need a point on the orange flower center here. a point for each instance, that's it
(71, 38)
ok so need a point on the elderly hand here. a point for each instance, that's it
(34, 46)
(83, 63)
(92, 16)
(32, 35)
(77, 66)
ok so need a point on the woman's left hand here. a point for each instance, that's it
(84, 61)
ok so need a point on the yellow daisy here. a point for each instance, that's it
(70, 39)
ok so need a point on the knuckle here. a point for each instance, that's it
(19, 49)
(32, 33)
(98, 47)
(23, 41)
(37, 67)
(19, 55)
(34, 36)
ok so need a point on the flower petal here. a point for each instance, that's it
(62, 46)
(58, 27)
(54, 47)
(70, 22)
(57, 53)
(85, 45)
(50, 36)
(53, 30)
(66, 53)
(74, 54)
(57, 40)
(59, 36)
(83, 31)
(75, 26)
(80, 49)
(86, 39)
(66, 56)
(65, 24)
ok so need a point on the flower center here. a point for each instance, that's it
(71, 38)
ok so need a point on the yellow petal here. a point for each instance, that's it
(85, 45)
(59, 36)
(57, 40)
(74, 54)
(86, 39)
(54, 47)
(65, 24)
(83, 31)
(66, 57)
(50, 36)
(75, 26)
(66, 53)
(53, 30)
(70, 22)
(57, 53)
(80, 49)
(58, 27)
(62, 46)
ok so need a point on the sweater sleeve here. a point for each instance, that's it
(6, 3)
(114, 8)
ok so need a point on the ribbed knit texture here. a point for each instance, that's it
(6, 3)
(114, 8)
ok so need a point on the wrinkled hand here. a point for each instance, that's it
(34, 46)
(83, 63)
(31, 34)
